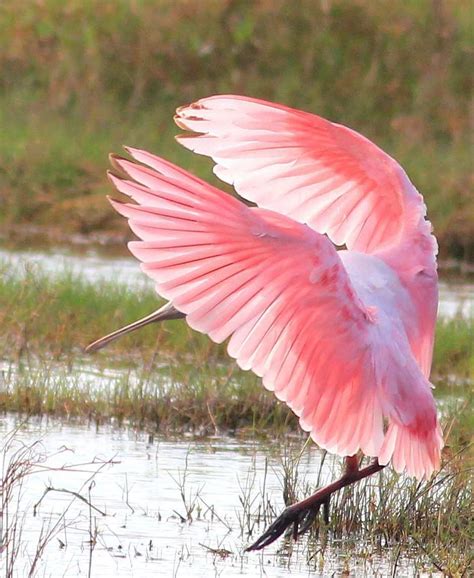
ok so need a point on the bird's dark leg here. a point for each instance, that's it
(302, 514)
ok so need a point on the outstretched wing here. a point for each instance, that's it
(279, 290)
(315, 171)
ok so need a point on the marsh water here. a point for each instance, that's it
(164, 507)
(158, 506)
(456, 296)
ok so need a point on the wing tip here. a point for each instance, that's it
(119, 206)
(116, 162)
(115, 180)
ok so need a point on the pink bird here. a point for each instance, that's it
(343, 337)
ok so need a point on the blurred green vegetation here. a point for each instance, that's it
(80, 78)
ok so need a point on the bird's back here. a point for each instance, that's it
(408, 302)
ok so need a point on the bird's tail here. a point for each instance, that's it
(418, 453)
(164, 313)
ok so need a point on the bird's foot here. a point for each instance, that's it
(300, 516)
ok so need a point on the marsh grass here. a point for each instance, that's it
(56, 316)
(211, 399)
(166, 376)
(61, 315)
(20, 461)
(454, 349)
(387, 514)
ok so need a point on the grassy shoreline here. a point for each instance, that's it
(47, 321)
(209, 399)
(56, 317)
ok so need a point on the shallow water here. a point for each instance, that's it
(143, 532)
(456, 297)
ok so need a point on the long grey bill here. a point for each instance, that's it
(164, 313)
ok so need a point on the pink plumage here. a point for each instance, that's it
(344, 337)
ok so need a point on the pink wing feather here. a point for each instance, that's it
(315, 171)
(279, 290)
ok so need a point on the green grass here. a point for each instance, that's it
(47, 321)
(205, 399)
(57, 316)
(81, 78)
(454, 349)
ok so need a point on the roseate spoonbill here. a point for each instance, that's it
(344, 337)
